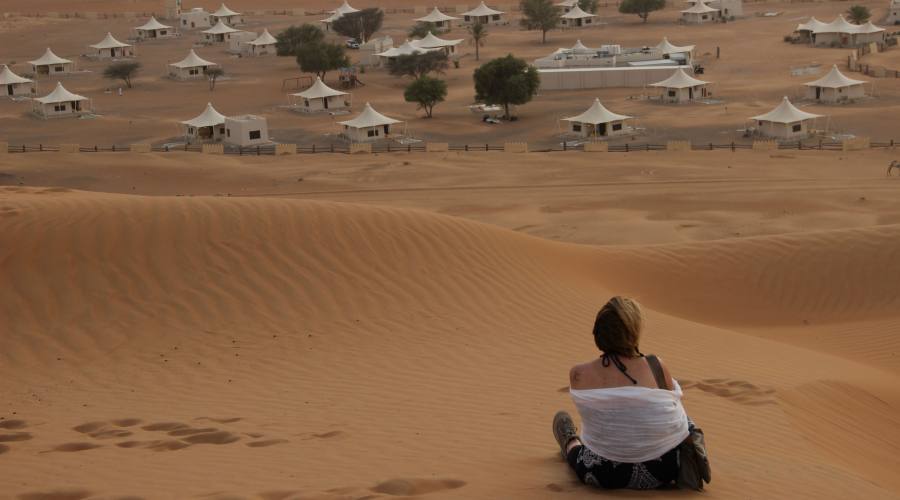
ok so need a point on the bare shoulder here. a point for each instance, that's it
(577, 375)
(666, 372)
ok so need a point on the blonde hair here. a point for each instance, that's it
(617, 329)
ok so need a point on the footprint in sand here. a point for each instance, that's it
(73, 447)
(409, 487)
(266, 443)
(15, 436)
(13, 424)
(736, 391)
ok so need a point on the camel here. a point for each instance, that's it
(894, 164)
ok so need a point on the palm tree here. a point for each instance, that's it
(858, 14)
(478, 31)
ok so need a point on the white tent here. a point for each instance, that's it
(50, 63)
(668, 49)
(785, 121)
(368, 126)
(12, 85)
(219, 33)
(319, 97)
(261, 45)
(154, 29)
(206, 127)
(432, 42)
(699, 13)
(580, 48)
(839, 33)
(223, 13)
(109, 47)
(437, 18)
(566, 5)
(577, 18)
(191, 67)
(483, 15)
(408, 48)
(682, 87)
(835, 87)
(597, 121)
(60, 103)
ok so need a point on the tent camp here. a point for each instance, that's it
(109, 48)
(839, 33)
(209, 126)
(12, 85)
(227, 16)
(319, 97)
(682, 87)
(195, 18)
(785, 122)
(700, 13)
(191, 67)
(51, 64)
(483, 15)
(597, 121)
(438, 19)
(153, 29)
(262, 45)
(835, 87)
(368, 126)
(432, 42)
(577, 18)
(60, 104)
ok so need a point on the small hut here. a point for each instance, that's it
(368, 126)
(682, 87)
(319, 97)
(835, 87)
(262, 45)
(51, 64)
(13, 85)
(597, 121)
(438, 19)
(483, 15)
(699, 13)
(431, 42)
(60, 104)
(154, 29)
(110, 48)
(195, 18)
(227, 16)
(246, 130)
(192, 67)
(209, 126)
(220, 33)
(785, 122)
(577, 18)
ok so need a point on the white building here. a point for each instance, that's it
(483, 15)
(839, 33)
(209, 126)
(597, 121)
(195, 18)
(682, 87)
(785, 122)
(368, 52)
(319, 97)
(13, 85)
(700, 13)
(246, 130)
(431, 42)
(60, 104)
(262, 45)
(727, 8)
(577, 18)
(220, 33)
(438, 19)
(835, 87)
(154, 29)
(227, 16)
(192, 67)
(110, 48)
(893, 15)
(51, 64)
(369, 126)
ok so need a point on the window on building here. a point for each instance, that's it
(373, 133)
(59, 107)
(797, 127)
(671, 93)
(57, 68)
(576, 127)
(255, 134)
(617, 126)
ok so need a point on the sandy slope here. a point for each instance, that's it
(261, 348)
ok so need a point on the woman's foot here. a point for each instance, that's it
(564, 431)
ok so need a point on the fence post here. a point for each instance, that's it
(626, 147)
(409, 148)
(332, 147)
(820, 144)
(732, 146)
(40, 147)
(314, 148)
(647, 147)
(95, 148)
(467, 147)
(486, 147)
(799, 145)
(114, 148)
(564, 145)
(389, 147)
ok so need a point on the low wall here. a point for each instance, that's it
(140, 148)
(765, 146)
(69, 148)
(213, 149)
(437, 147)
(515, 147)
(285, 149)
(856, 144)
(358, 148)
(596, 147)
(678, 146)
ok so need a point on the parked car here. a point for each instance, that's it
(352, 43)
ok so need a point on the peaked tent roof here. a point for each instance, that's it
(408, 48)
(482, 10)
(679, 80)
(567, 3)
(839, 25)
(49, 58)
(7, 77)
(152, 24)
(432, 42)
(580, 48)
(812, 25)
(667, 48)
(785, 113)
(332, 18)
(577, 13)
(319, 90)
(109, 42)
(869, 28)
(834, 80)
(435, 16)
(220, 29)
(345, 8)
(699, 8)
(60, 94)
(192, 61)
(208, 118)
(224, 11)
(265, 38)
(369, 118)
(597, 113)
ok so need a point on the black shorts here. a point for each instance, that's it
(594, 470)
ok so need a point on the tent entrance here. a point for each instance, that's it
(325, 102)
(9, 89)
(205, 133)
(601, 129)
(818, 92)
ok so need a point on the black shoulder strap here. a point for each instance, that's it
(657, 370)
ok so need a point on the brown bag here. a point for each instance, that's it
(693, 461)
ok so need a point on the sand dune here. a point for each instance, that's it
(284, 349)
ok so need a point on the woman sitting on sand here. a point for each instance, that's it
(632, 428)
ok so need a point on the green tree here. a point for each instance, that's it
(478, 32)
(418, 65)
(421, 30)
(642, 8)
(859, 14)
(291, 39)
(213, 74)
(426, 91)
(124, 70)
(360, 25)
(320, 58)
(506, 80)
(539, 15)
(588, 5)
